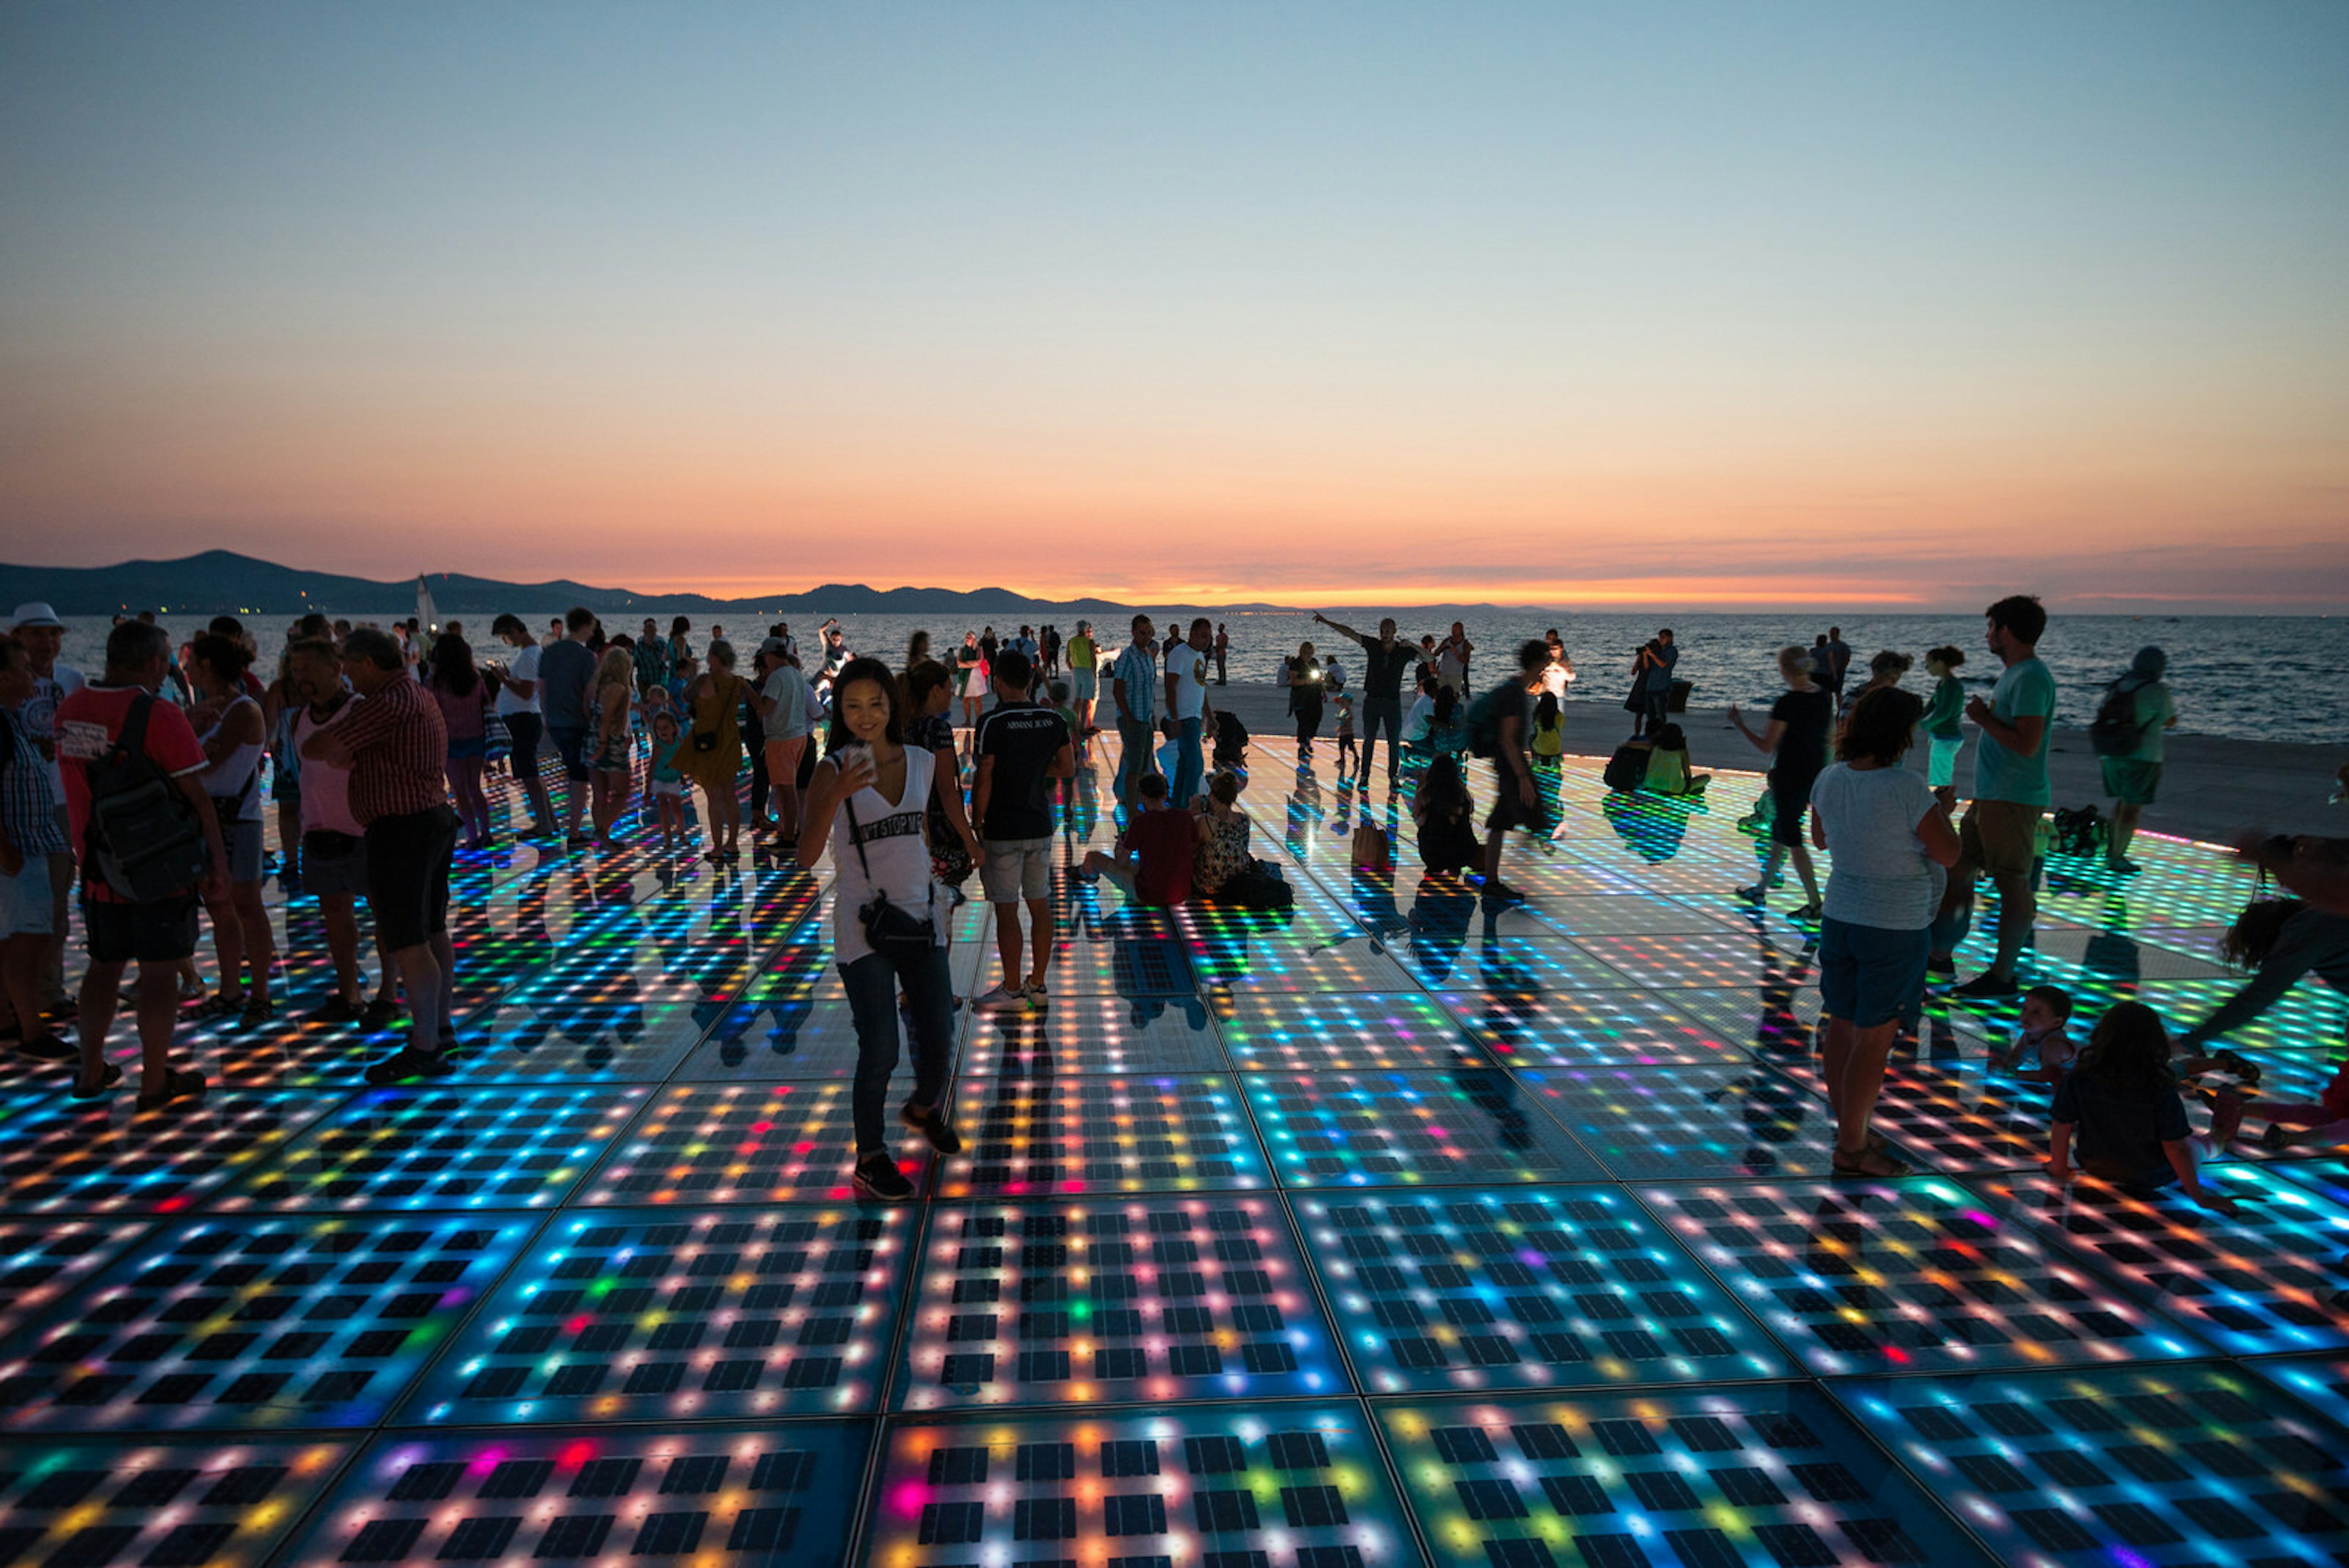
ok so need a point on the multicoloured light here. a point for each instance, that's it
(2191, 1463)
(1913, 1275)
(1294, 1483)
(668, 1314)
(1071, 1136)
(1102, 1301)
(276, 1322)
(1761, 1474)
(727, 1144)
(170, 1504)
(1254, 1182)
(1476, 1125)
(518, 1147)
(1540, 1287)
(650, 1495)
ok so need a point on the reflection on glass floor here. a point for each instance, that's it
(1386, 1230)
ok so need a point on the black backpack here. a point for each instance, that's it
(1628, 768)
(1483, 719)
(2116, 730)
(144, 839)
(2080, 831)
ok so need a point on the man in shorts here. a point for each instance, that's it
(395, 743)
(158, 934)
(566, 669)
(2000, 833)
(1021, 748)
(1516, 798)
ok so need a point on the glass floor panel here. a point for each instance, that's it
(1763, 1474)
(596, 1494)
(207, 1504)
(1112, 1300)
(1393, 1225)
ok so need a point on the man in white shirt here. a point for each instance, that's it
(516, 680)
(1186, 706)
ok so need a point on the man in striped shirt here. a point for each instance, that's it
(394, 744)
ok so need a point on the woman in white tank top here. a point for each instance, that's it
(870, 800)
(230, 724)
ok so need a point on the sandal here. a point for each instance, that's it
(216, 1006)
(2246, 1071)
(105, 1082)
(1873, 1162)
(177, 1085)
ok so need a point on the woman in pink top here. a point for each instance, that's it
(333, 861)
(464, 698)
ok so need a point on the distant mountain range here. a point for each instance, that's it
(221, 581)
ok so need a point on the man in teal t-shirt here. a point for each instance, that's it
(2001, 830)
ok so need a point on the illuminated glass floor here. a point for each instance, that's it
(1392, 1230)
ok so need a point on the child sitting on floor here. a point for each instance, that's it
(2042, 1049)
(1446, 819)
(1153, 862)
(1668, 765)
(2120, 1104)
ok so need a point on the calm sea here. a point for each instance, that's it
(2263, 678)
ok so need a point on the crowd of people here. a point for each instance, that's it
(138, 800)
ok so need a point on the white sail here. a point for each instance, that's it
(425, 611)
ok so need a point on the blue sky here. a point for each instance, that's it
(1670, 302)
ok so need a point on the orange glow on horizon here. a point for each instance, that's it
(1560, 594)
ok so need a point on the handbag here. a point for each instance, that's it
(893, 930)
(1373, 852)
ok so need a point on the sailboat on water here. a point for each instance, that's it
(427, 614)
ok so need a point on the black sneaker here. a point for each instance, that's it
(1989, 986)
(378, 1015)
(335, 1010)
(47, 1048)
(877, 1176)
(405, 1065)
(932, 1124)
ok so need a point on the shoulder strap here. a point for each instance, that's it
(849, 805)
(132, 741)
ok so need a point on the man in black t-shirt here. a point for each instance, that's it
(1386, 659)
(1022, 748)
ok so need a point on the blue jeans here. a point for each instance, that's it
(1189, 767)
(1137, 746)
(871, 984)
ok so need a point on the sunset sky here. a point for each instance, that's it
(1660, 303)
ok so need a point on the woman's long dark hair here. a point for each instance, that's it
(923, 677)
(2129, 1049)
(1443, 791)
(2253, 936)
(865, 668)
(452, 665)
